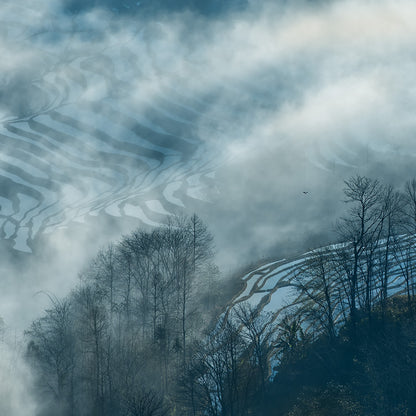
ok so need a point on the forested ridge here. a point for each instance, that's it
(151, 328)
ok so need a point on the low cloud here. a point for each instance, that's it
(285, 99)
(16, 395)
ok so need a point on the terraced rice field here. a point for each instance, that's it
(274, 287)
(74, 143)
(93, 127)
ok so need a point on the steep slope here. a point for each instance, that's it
(277, 286)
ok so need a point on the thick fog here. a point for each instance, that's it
(16, 394)
(274, 104)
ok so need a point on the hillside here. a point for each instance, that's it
(148, 322)
(276, 287)
(370, 371)
(151, 149)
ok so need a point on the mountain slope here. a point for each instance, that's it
(279, 286)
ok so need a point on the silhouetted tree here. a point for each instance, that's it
(360, 232)
(52, 348)
(319, 291)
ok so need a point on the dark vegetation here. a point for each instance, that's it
(369, 370)
(147, 331)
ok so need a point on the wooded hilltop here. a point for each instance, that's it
(150, 329)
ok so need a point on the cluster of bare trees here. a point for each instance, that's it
(375, 259)
(116, 344)
(132, 339)
(229, 368)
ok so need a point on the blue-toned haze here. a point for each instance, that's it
(114, 117)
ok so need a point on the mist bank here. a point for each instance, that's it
(16, 381)
(285, 99)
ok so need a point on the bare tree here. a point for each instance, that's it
(223, 382)
(317, 282)
(52, 345)
(393, 214)
(361, 230)
(142, 402)
(93, 332)
(131, 321)
(202, 242)
(410, 211)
